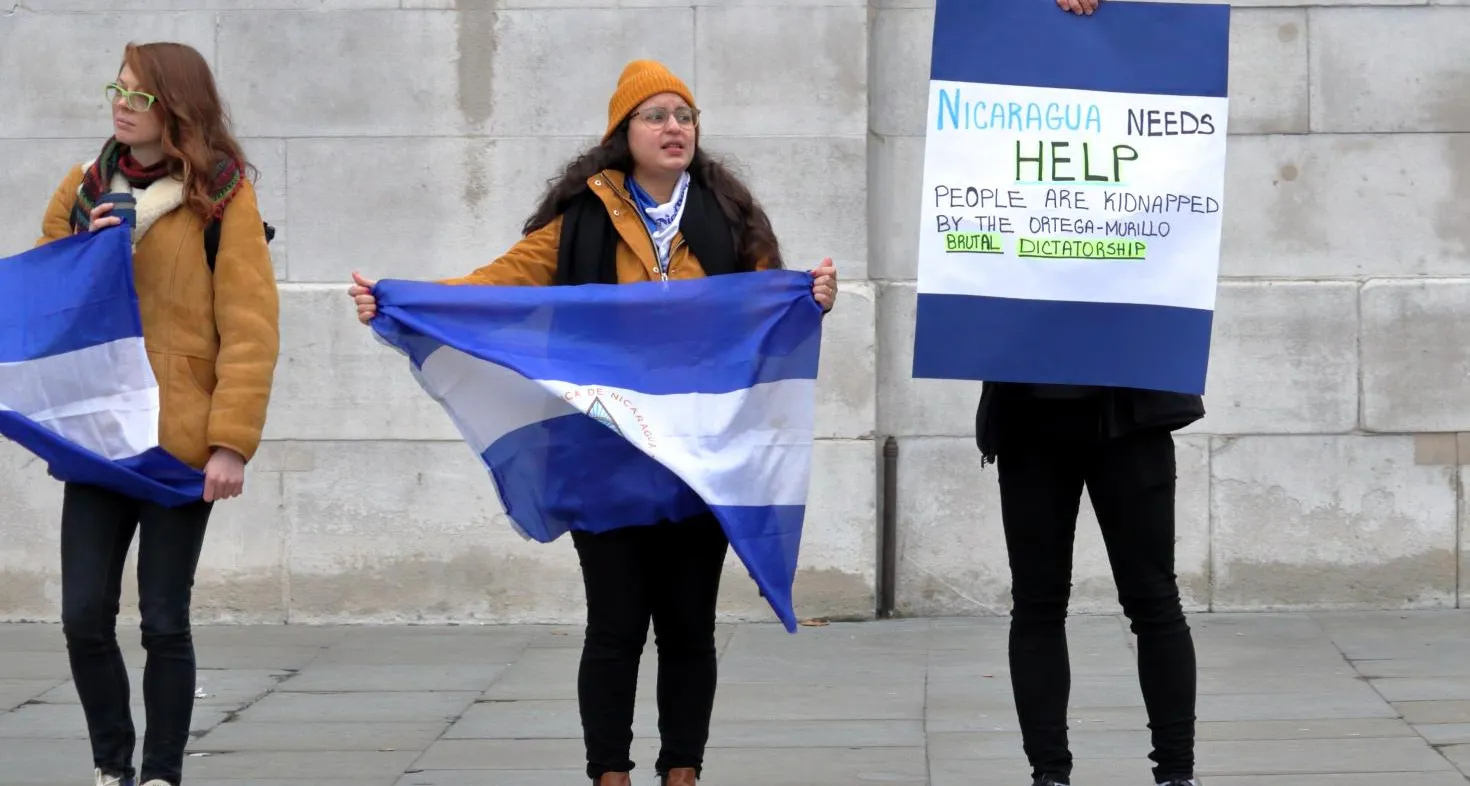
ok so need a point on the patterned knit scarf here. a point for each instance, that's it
(115, 159)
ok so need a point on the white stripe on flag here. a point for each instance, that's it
(705, 438)
(103, 398)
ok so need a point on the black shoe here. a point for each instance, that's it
(1181, 782)
(1048, 780)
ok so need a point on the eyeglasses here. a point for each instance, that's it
(137, 101)
(656, 116)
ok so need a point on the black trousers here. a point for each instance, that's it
(670, 573)
(97, 529)
(1050, 449)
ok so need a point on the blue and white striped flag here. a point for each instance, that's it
(604, 406)
(76, 388)
(1074, 171)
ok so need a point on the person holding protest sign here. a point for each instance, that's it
(1048, 443)
(169, 174)
(645, 204)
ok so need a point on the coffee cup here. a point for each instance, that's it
(124, 206)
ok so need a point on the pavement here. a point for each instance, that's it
(1340, 699)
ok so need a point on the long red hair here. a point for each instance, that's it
(196, 127)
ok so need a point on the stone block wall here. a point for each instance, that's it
(410, 138)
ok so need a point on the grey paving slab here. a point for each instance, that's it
(1444, 733)
(1091, 772)
(372, 780)
(1265, 757)
(267, 657)
(14, 693)
(1339, 779)
(1445, 662)
(1423, 688)
(550, 674)
(407, 677)
(32, 665)
(1320, 728)
(526, 754)
(815, 766)
(1291, 706)
(470, 646)
(502, 778)
(1434, 711)
(536, 719)
(30, 637)
(220, 687)
(835, 668)
(27, 762)
(365, 706)
(960, 716)
(377, 766)
(1458, 755)
(227, 637)
(817, 734)
(964, 746)
(66, 721)
(1342, 680)
(908, 702)
(319, 736)
(816, 701)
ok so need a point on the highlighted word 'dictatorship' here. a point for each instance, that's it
(1047, 248)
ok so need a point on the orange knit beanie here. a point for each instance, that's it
(641, 80)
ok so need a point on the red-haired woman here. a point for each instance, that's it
(212, 339)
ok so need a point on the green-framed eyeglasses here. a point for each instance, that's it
(137, 101)
(656, 116)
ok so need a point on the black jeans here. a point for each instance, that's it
(669, 572)
(1049, 450)
(96, 530)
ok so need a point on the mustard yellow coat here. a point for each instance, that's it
(212, 340)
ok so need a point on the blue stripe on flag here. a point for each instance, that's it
(549, 485)
(1045, 341)
(568, 471)
(153, 476)
(768, 541)
(70, 295)
(1124, 47)
(46, 286)
(696, 321)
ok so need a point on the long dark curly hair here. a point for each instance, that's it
(754, 238)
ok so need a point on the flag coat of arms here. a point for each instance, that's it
(597, 407)
(76, 387)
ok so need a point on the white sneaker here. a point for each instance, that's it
(110, 780)
(157, 782)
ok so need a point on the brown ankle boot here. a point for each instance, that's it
(680, 776)
(614, 779)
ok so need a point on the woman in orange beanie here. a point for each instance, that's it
(645, 204)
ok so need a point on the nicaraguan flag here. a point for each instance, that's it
(76, 388)
(604, 406)
(1074, 172)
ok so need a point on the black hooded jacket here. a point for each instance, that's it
(1125, 411)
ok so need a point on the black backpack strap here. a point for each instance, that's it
(211, 240)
